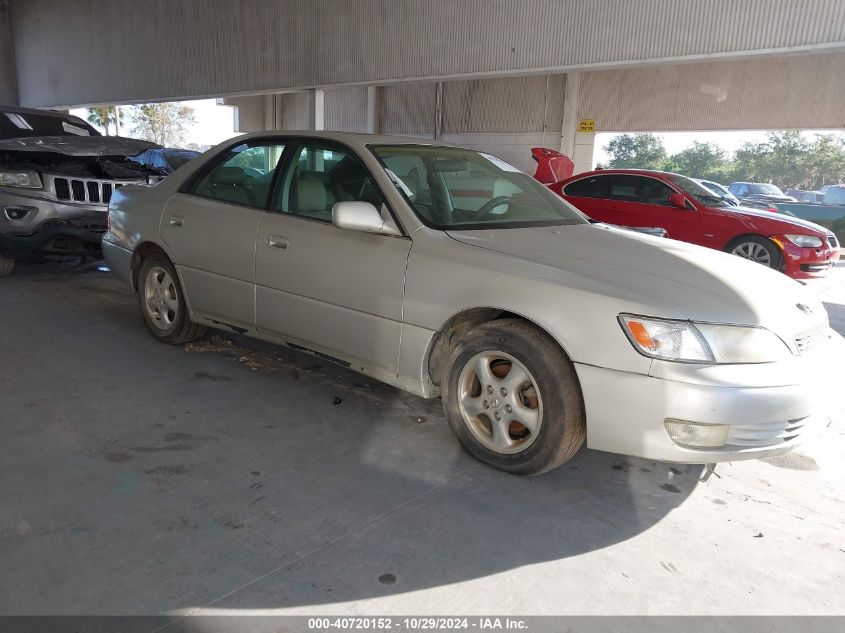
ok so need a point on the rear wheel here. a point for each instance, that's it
(163, 303)
(512, 398)
(757, 249)
(6, 266)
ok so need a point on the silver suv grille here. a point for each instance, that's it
(809, 339)
(86, 190)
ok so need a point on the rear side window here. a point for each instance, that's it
(244, 175)
(592, 187)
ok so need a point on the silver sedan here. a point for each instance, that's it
(448, 272)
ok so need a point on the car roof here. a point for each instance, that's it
(17, 110)
(629, 171)
(350, 138)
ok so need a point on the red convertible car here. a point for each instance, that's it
(691, 213)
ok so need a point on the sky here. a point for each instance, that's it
(214, 123)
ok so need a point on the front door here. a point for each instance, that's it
(210, 230)
(334, 291)
(643, 201)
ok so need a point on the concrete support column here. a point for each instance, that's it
(270, 112)
(571, 94)
(373, 107)
(8, 68)
(583, 149)
(316, 109)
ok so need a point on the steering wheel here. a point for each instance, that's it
(488, 206)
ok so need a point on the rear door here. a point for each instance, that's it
(210, 229)
(334, 291)
(591, 195)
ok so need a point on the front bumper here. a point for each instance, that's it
(770, 409)
(807, 263)
(48, 227)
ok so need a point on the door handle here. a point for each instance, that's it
(176, 220)
(278, 241)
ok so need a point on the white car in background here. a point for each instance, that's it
(448, 272)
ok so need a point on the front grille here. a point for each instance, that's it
(87, 190)
(767, 433)
(809, 339)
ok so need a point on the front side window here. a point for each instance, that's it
(243, 177)
(451, 188)
(703, 194)
(321, 175)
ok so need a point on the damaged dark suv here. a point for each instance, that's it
(57, 175)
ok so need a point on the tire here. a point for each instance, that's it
(757, 249)
(6, 266)
(548, 398)
(162, 302)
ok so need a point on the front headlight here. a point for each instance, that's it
(26, 179)
(689, 342)
(806, 241)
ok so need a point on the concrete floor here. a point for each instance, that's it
(234, 477)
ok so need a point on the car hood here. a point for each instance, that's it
(679, 279)
(72, 145)
(747, 213)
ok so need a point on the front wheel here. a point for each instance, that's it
(757, 249)
(163, 303)
(512, 398)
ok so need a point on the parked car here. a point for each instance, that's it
(720, 190)
(801, 195)
(165, 159)
(691, 213)
(758, 192)
(447, 271)
(57, 175)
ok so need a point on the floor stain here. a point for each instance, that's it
(117, 458)
(670, 488)
(204, 375)
(170, 469)
(387, 579)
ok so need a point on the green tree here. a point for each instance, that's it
(701, 160)
(163, 123)
(101, 117)
(643, 151)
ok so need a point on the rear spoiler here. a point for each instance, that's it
(552, 166)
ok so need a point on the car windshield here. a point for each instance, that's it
(451, 188)
(697, 191)
(28, 124)
(765, 189)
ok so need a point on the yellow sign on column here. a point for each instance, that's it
(587, 126)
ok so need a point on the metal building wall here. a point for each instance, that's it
(408, 109)
(346, 109)
(160, 49)
(806, 91)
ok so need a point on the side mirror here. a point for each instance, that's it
(360, 216)
(678, 200)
